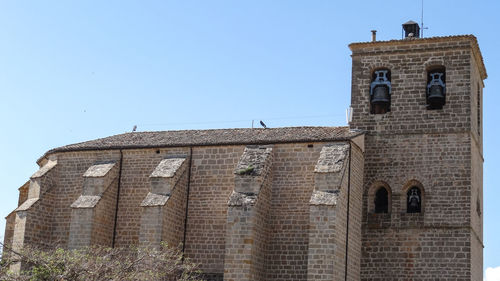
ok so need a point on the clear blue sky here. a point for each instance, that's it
(71, 71)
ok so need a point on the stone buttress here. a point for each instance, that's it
(93, 213)
(164, 208)
(327, 214)
(247, 229)
(33, 218)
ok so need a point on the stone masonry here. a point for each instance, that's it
(164, 207)
(246, 195)
(248, 216)
(297, 203)
(93, 213)
(439, 151)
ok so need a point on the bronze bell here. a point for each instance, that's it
(381, 95)
(436, 91)
(380, 92)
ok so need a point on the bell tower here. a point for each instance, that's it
(419, 100)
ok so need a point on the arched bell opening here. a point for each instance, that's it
(414, 200)
(380, 91)
(436, 87)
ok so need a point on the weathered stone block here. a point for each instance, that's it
(153, 199)
(324, 198)
(40, 182)
(331, 169)
(82, 221)
(98, 177)
(252, 169)
(166, 175)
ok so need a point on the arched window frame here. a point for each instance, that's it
(376, 186)
(433, 68)
(373, 76)
(404, 196)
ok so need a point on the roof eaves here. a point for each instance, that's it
(352, 134)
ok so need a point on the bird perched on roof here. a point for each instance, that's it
(263, 125)
(135, 128)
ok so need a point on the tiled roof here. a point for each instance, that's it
(213, 137)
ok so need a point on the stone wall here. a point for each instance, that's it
(175, 212)
(35, 225)
(34, 217)
(23, 193)
(212, 182)
(328, 214)
(93, 213)
(247, 228)
(104, 220)
(262, 230)
(293, 184)
(408, 65)
(330, 225)
(33, 221)
(355, 213)
(69, 185)
(164, 208)
(414, 146)
(280, 227)
(476, 210)
(138, 164)
(10, 221)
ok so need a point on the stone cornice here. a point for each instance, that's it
(476, 52)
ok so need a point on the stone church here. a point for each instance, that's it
(396, 195)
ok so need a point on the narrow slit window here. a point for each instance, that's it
(478, 207)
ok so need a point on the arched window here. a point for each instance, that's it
(380, 91)
(436, 87)
(414, 200)
(381, 201)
